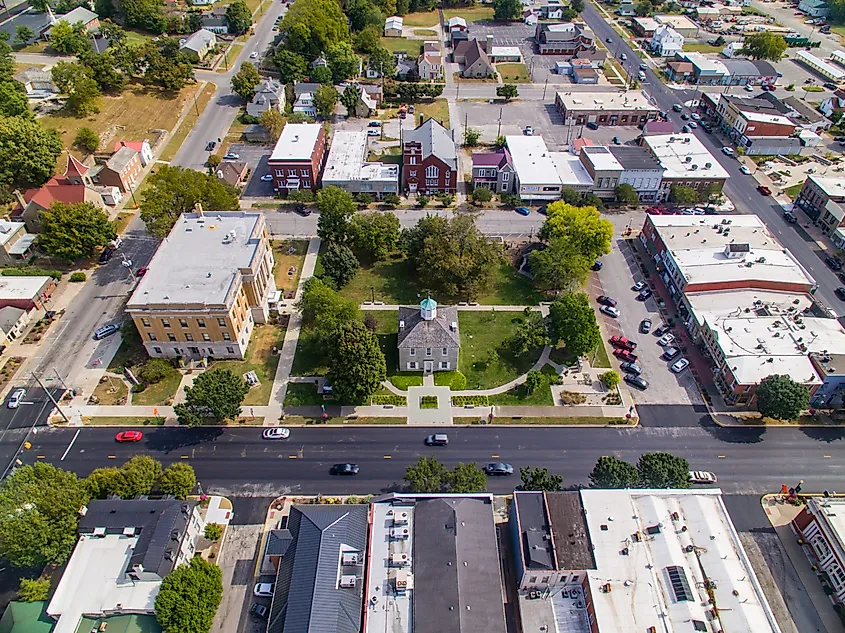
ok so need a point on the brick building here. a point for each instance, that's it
(605, 108)
(122, 169)
(298, 158)
(563, 39)
(823, 199)
(429, 160)
(820, 527)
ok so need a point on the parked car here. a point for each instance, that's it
(789, 217)
(106, 255)
(625, 354)
(631, 368)
(106, 330)
(606, 301)
(276, 433)
(692, 125)
(727, 151)
(597, 265)
(129, 436)
(638, 286)
(707, 128)
(685, 129)
(142, 271)
(301, 209)
(695, 117)
(624, 343)
(592, 125)
(498, 469)
(670, 353)
(609, 311)
(745, 170)
(679, 365)
(637, 381)
(374, 132)
(701, 477)
(833, 263)
(645, 326)
(231, 156)
(661, 330)
(438, 439)
(666, 340)
(344, 469)
(259, 611)
(528, 131)
(374, 124)
(523, 210)
(17, 397)
(763, 189)
(840, 292)
(253, 55)
(830, 86)
(685, 117)
(263, 590)
(644, 294)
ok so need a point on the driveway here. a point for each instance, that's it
(237, 562)
(255, 156)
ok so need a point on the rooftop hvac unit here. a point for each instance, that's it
(400, 532)
(349, 558)
(129, 531)
(99, 531)
(399, 559)
(348, 582)
(400, 518)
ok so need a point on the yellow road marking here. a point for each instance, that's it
(186, 457)
(494, 457)
(39, 457)
(388, 456)
(291, 456)
(827, 456)
(112, 456)
(721, 457)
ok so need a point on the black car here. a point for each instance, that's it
(670, 353)
(644, 294)
(645, 326)
(841, 276)
(830, 86)
(839, 138)
(606, 301)
(592, 125)
(259, 611)
(637, 381)
(344, 469)
(498, 469)
(597, 265)
(706, 127)
(833, 263)
(608, 40)
(663, 329)
(840, 292)
(301, 209)
(685, 117)
(106, 255)
(631, 368)
(790, 218)
(543, 210)
(210, 146)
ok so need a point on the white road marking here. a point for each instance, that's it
(67, 450)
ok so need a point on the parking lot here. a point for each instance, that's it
(237, 562)
(255, 156)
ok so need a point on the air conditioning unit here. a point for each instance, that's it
(400, 518)
(399, 559)
(400, 532)
(349, 558)
(348, 582)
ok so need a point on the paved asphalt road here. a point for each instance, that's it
(15, 424)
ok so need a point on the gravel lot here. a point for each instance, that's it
(237, 563)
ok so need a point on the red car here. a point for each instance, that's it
(621, 341)
(625, 354)
(129, 436)
(764, 190)
(142, 271)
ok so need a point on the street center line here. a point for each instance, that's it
(67, 450)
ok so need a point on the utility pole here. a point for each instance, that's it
(61, 380)
(499, 131)
(546, 85)
(52, 399)
(466, 124)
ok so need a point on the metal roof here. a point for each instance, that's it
(434, 139)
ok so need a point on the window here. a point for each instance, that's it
(280, 173)
(444, 364)
(545, 579)
(231, 350)
(183, 322)
(146, 322)
(412, 173)
(412, 365)
(448, 174)
(413, 352)
(226, 336)
(445, 351)
(305, 172)
(205, 336)
(431, 171)
(431, 183)
(412, 160)
(221, 322)
(506, 176)
(292, 172)
(152, 336)
(306, 184)
(428, 351)
(533, 580)
(189, 337)
(171, 337)
(157, 350)
(836, 574)
(504, 186)
(820, 545)
(201, 322)
(165, 322)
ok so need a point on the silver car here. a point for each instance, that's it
(17, 397)
(276, 433)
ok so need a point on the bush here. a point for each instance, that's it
(510, 199)
(31, 272)
(155, 370)
(381, 399)
(609, 379)
(248, 119)
(303, 195)
(364, 199)
(213, 531)
(77, 277)
(428, 402)
(34, 590)
(462, 401)
(571, 397)
(481, 196)
(391, 200)
(422, 201)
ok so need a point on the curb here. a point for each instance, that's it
(368, 426)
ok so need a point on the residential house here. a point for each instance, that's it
(596, 58)
(603, 168)
(202, 3)
(198, 45)
(298, 157)
(456, 24)
(563, 38)
(215, 21)
(206, 286)
(26, 293)
(430, 66)
(393, 26)
(145, 152)
(122, 169)
(428, 339)
(269, 95)
(629, 107)
(627, 8)
(472, 56)
(37, 82)
(233, 173)
(834, 103)
(321, 62)
(640, 169)
(15, 243)
(530, 18)
(13, 322)
(429, 160)
(405, 67)
(366, 105)
(79, 15)
(306, 105)
(814, 8)
(493, 170)
(375, 93)
(821, 536)
(552, 10)
(666, 41)
(126, 548)
(347, 167)
(732, 49)
(686, 162)
(823, 199)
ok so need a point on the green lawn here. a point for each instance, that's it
(514, 73)
(387, 331)
(483, 358)
(425, 33)
(160, 392)
(403, 44)
(430, 18)
(122, 421)
(702, 48)
(813, 88)
(308, 359)
(542, 396)
(286, 259)
(300, 394)
(793, 191)
(261, 360)
(470, 14)
(437, 109)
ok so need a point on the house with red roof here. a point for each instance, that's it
(142, 147)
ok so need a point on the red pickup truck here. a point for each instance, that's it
(621, 341)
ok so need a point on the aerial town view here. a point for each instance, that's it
(422, 316)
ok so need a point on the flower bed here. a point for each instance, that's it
(463, 401)
(397, 401)
(428, 402)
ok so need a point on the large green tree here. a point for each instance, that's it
(325, 99)
(105, 69)
(238, 17)
(374, 234)
(69, 39)
(166, 65)
(274, 122)
(75, 80)
(466, 478)
(144, 14)
(173, 191)
(505, 10)
(189, 597)
(529, 335)
(383, 61)
(343, 61)
(7, 58)
(764, 45)
(558, 267)
(86, 140)
(245, 80)
(573, 321)
(626, 194)
(178, 480)
(582, 228)
(313, 27)
(681, 194)
(427, 475)
(39, 512)
(663, 470)
(136, 477)
(13, 100)
(23, 34)
(323, 308)
(71, 231)
(28, 153)
(216, 395)
(336, 209)
(507, 91)
(339, 263)
(292, 66)
(539, 479)
(357, 366)
(612, 472)
(349, 99)
(779, 396)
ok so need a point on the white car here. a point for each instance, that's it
(745, 170)
(695, 117)
(692, 125)
(263, 590)
(267, 178)
(231, 156)
(609, 311)
(17, 397)
(276, 433)
(701, 477)
(680, 365)
(749, 88)
(666, 340)
(372, 132)
(253, 55)
(623, 57)
(727, 151)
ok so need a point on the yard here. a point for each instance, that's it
(303, 394)
(519, 396)
(793, 191)
(289, 254)
(514, 73)
(484, 360)
(402, 44)
(188, 122)
(430, 18)
(112, 391)
(470, 14)
(689, 47)
(131, 115)
(597, 358)
(260, 359)
(161, 392)
(437, 109)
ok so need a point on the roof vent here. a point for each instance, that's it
(129, 531)
(99, 531)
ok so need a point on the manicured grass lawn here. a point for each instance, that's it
(295, 419)
(396, 44)
(542, 395)
(510, 288)
(455, 380)
(470, 14)
(483, 358)
(122, 221)
(425, 33)
(122, 421)
(188, 122)
(569, 421)
(261, 360)
(111, 392)
(813, 88)
(138, 110)
(702, 48)
(308, 359)
(284, 261)
(36, 47)
(430, 18)
(514, 73)
(300, 394)
(160, 392)
(793, 191)
(137, 37)
(387, 331)
(437, 109)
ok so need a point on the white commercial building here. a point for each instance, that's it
(571, 171)
(686, 161)
(536, 173)
(347, 167)
(820, 66)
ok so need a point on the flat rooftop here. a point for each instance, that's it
(570, 170)
(832, 512)
(676, 21)
(632, 100)
(200, 261)
(684, 156)
(698, 245)
(762, 117)
(390, 559)
(656, 582)
(21, 287)
(8, 229)
(347, 161)
(832, 187)
(532, 160)
(602, 158)
(819, 64)
(297, 142)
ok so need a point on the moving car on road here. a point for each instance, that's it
(129, 436)
(679, 365)
(523, 210)
(727, 151)
(840, 292)
(498, 469)
(344, 469)
(637, 381)
(763, 189)
(438, 439)
(263, 590)
(16, 399)
(276, 433)
(745, 170)
(701, 477)
(677, 107)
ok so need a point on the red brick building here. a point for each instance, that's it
(122, 170)
(298, 158)
(820, 527)
(429, 160)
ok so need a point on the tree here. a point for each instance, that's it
(343, 61)
(780, 397)
(626, 194)
(246, 79)
(533, 380)
(173, 191)
(451, 255)
(612, 472)
(609, 379)
(577, 5)
(582, 227)
(680, 194)
(500, 142)
(216, 394)
(102, 482)
(67, 39)
(363, 13)
(643, 8)
(238, 17)
(74, 79)
(23, 34)
(710, 193)
(7, 58)
(325, 99)
(86, 140)
(189, 597)
(136, 477)
(764, 45)
(350, 97)
(357, 366)
(292, 67)
(426, 475)
(466, 479)
(177, 480)
(539, 479)
(374, 234)
(144, 14)
(339, 263)
(336, 209)
(471, 137)
(71, 231)
(274, 122)
(166, 65)
(529, 335)
(312, 27)
(481, 196)
(323, 308)
(559, 267)
(504, 10)
(508, 91)
(13, 100)
(573, 321)
(34, 590)
(213, 161)
(28, 153)
(322, 75)
(213, 531)
(105, 69)
(663, 470)
(39, 511)
(383, 61)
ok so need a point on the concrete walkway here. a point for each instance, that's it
(441, 415)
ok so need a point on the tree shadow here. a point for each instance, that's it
(170, 439)
(824, 434)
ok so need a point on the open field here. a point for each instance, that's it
(514, 73)
(430, 18)
(437, 109)
(425, 33)
(470, 14)
(702, 48)
(188, 122)
(261, 360)
(396, 44)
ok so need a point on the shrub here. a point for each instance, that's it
(213, 531)
(34, 590)
(155, 370)
(364, 199)
(422, 201)
(31, 272)
(609, 379)
(303, 195)
(78, 276)
(428, 402)
(462, 401)
(571, 397)
(381, 399)
(391, 200)
(481, 196)
(510, 199)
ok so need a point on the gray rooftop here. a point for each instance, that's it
(79, 14)
(278, 542)
(121, 158)
(573, 548)
(457, 584)
(537, 548)
(435, 139)
(199, 40)
(9, 317)
(199, 262)
(803, 110)
(417, 332)
(307, 596)
(162, 524)
(635, 157)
